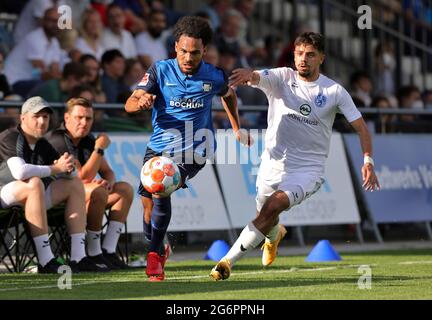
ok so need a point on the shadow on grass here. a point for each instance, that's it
(143, 289)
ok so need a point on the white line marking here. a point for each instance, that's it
(239, 274)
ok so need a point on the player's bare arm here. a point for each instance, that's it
(89, 170)
(139, 100)
(64, 164)
(107, 176)
(370, 180)
(229, 102)
(244, 76)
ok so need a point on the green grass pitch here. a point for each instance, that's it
(395, 275)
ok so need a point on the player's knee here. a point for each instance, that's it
(35, 184)
(99, 195)
(275, 204)
(124, 189)
(75, 187)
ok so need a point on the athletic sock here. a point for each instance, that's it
(77, 246)
(249, 238)
(93, 239)
(43, 249)
(161, 216)
(112, 236)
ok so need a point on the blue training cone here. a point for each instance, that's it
(322, 252)
(217, 250)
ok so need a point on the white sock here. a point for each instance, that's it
(77, 246)
(249, 238)
(271, 236)
(112, 236)
(93, 239)
(43, 249)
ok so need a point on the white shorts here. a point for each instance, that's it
(298, 186)
(8, 199)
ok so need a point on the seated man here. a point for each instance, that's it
(34, 176)
(73, 136)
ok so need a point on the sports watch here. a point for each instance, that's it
(100, 151)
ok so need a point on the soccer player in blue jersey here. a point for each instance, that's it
(180, 91)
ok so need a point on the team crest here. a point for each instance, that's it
(207, 86)
(305, 109)
(320, 100)
(144, 80)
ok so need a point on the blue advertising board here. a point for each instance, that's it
(403, 164)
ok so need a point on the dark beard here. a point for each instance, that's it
(304, 74)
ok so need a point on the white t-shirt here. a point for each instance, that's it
(300, 118)
(149, 46)
(84, 48)
(125, 43)
(27, 21)
(35, 46)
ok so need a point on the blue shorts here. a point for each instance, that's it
(187, 171)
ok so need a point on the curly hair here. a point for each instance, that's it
(195, 27)
(311, 38)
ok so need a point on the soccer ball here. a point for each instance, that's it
(160, 176)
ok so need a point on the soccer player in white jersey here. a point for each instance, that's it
(302, 108)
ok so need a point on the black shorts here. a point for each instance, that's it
(187, 171)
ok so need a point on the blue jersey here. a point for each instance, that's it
(181, 118)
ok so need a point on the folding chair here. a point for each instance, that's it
(16, 243)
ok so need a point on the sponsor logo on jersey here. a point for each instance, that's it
(187, 103)
(207, 86)
(305, 109)
(320, 100)
(294, 85)
(144, 80)
(266, 72)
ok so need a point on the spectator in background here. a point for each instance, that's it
(8, 116)
(246, 8)
(67, 40)
(77, 7)
(92, 68)
(151, 44)
(384, 70)
(361, 87)
(427, 99)
(384, 122)
(31, 17)
(135, 11)
(409, 98)
(116, 36)
(113, 65)
(216, 10)
(228, 38)
(83, 91)
(133, 74)
(91, 29)
(56, 90)
(211, 55)
(6, 92)
(36, 57)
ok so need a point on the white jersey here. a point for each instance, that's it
(300, 118)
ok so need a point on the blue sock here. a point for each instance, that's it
(147, 230)
(161, 216)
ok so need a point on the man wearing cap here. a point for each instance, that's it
(33, 175)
